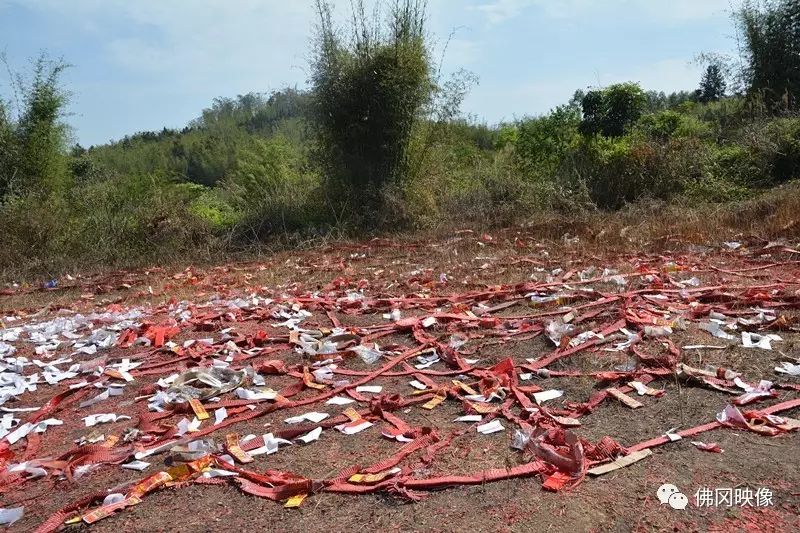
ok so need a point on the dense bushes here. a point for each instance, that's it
(370, 87)
(271, 191)
(612, 111)
(119, 220)
(771, 29)
(33, 143)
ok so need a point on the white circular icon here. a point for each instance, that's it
(678, 501)
(665, 491)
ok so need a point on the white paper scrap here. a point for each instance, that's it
(136, 465)
(492, 427)
(311, 436)
(311, 417)
(552, 394)
(375, 389)
(339, 400)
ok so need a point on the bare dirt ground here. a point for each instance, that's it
(494, 298)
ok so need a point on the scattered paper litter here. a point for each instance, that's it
(731, 415)
(622, 462)
(520, 440)
(762, 390)
(219, 472)
(220, 415)
(271, 445)
(716, 330)
(657, 331)
(788, 368)
(184, 426)
(19, 409)
(418, 385)
(710, 447)
(703, 347)
(103, 418)
(10, 515)
(153, 451)
(552, 394)
(754, 340)
(246, 394)
(624, 398)
(19, 433)
(426, 361)
(29, 468)
(375, 389)
(352, 429)
(368, 355)
(339, 400)
(136, 465)
(469, 418)
(113, 498)
(311, 417)
(642, 389)
(492, 427)
(105, 395)
(311, 436)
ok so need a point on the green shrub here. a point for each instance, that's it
(271, 191)
(33, 144)
(114, 221)
(666, 125)
(714, 190)
(785, 159)
(613, 110)
(734, 164)
(623, 170)
(542, 142)
(212, 208)
(371, 88)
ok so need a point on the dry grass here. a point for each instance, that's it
(653, 225)
(769, 216)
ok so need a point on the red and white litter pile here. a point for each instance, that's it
(164, 392)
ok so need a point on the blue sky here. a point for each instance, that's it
(145, 64)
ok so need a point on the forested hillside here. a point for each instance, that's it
(377, 142)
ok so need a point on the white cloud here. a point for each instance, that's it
(249, 41)
(502, 10)
(682, 10)
(138, 55)
(498, 11)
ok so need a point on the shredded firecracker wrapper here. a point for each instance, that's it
(107, 510)
(295, 501)
(233, 447)
(199, 411)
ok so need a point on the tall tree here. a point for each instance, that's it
(712, 85)
(771, 30)
(33, 144)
